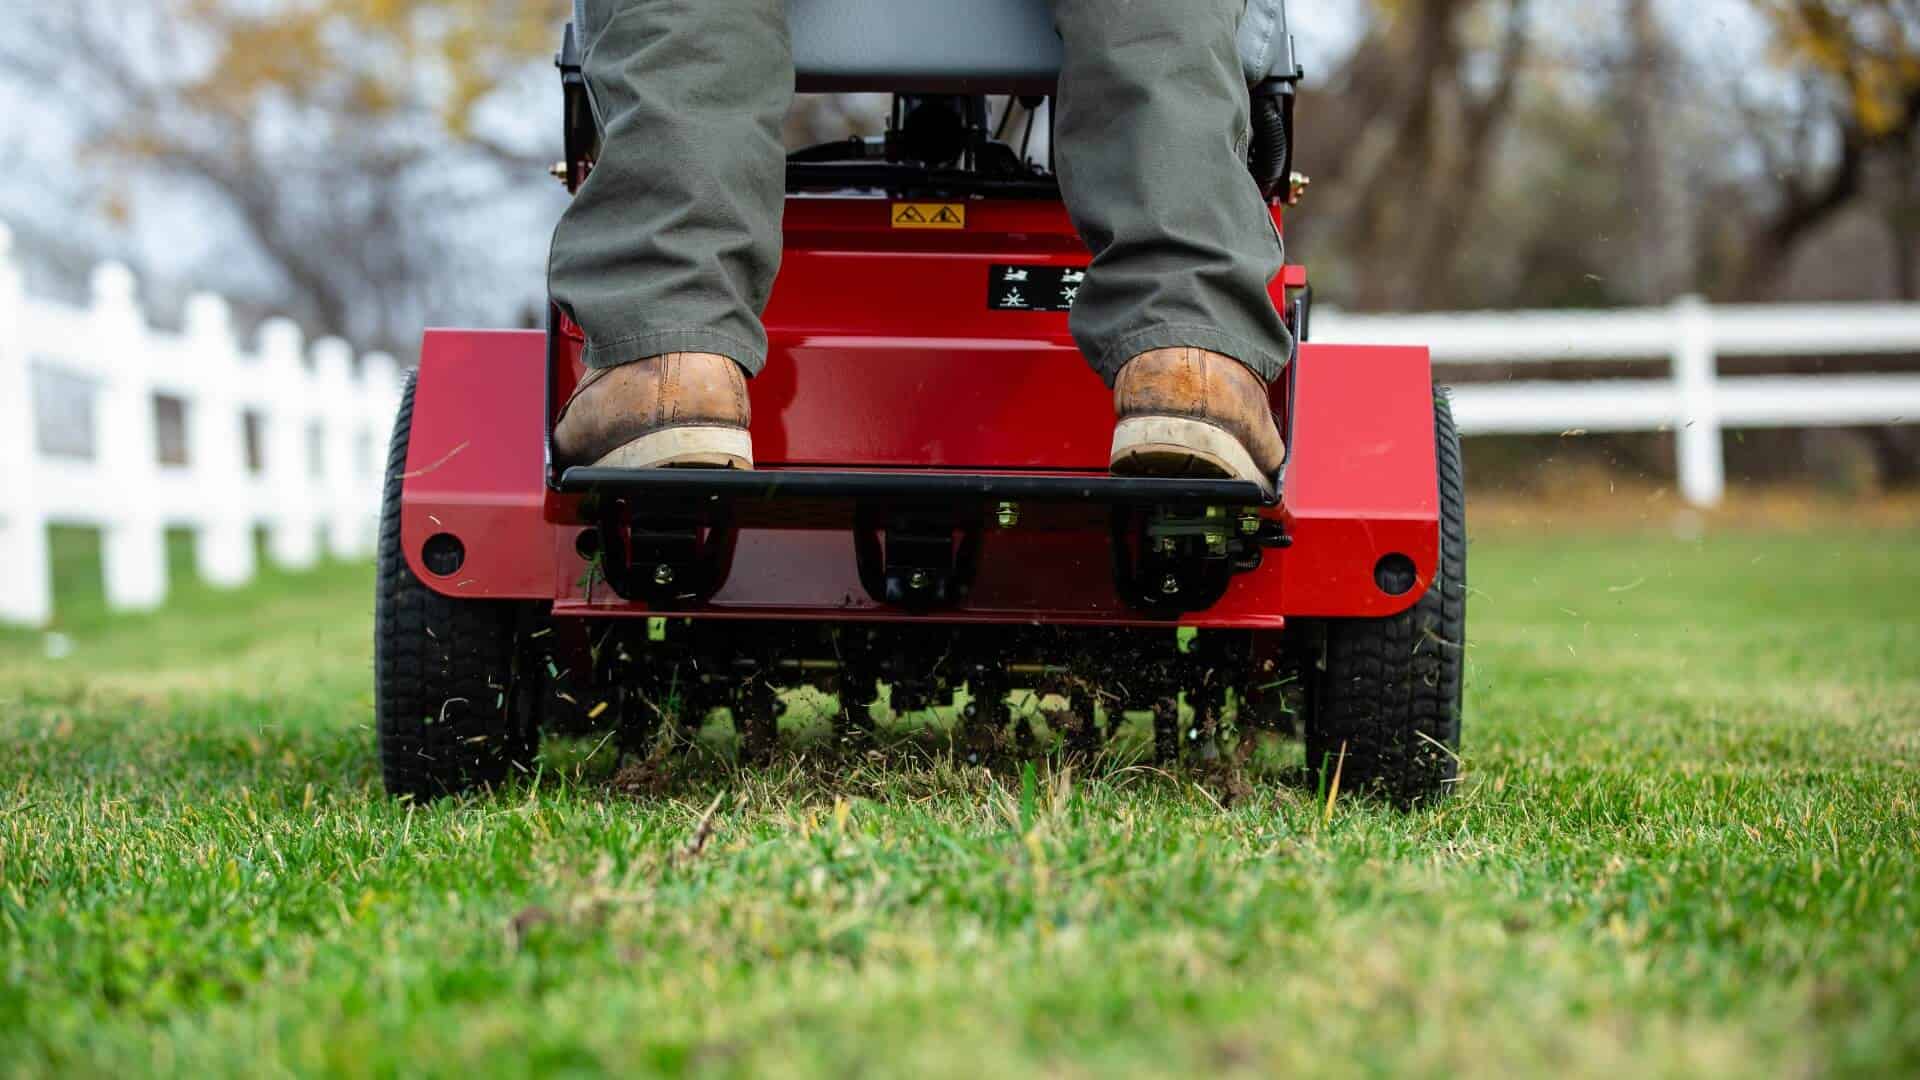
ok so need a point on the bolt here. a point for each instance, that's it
(1216, 543)
(1250, 524)
(663, 574)
(558, 170)
(1008, 515)
(1166, 545)
(918, 581)
(1171, 585)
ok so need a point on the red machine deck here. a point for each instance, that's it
(888, 352)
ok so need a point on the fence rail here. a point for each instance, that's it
(107, 422)
(1690, 398)
(289, 438)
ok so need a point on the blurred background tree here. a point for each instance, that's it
(1854, 142)
(1527, 152)
(334, 147)
(373, 165)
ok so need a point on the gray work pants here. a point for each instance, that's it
(673, 242)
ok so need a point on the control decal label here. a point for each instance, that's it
(1033, 288)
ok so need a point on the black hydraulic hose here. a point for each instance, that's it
(1269, 157)
(849, 149)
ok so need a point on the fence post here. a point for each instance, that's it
(217, 448)
(294, 531)
(379, 400)
(1701, 451)
(333, 369)
(26, 585)
(133, 548)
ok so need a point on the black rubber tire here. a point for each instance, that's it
(1388, 691)
(451, 715)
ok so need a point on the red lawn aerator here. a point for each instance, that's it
(932, 510)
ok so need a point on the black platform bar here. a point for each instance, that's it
(828, 484)
(885, 176)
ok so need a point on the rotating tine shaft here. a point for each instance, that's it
(1028, 690)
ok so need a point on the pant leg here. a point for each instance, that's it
(1152, 138)
(673, 242)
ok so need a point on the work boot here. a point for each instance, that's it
(1190, 412)
(673, 410)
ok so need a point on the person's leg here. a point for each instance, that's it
(668, 253)
(1152, 140)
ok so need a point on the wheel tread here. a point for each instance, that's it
(447, 715)
(1389, 695)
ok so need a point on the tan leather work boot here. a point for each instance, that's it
(673, 410)
(1190, 412)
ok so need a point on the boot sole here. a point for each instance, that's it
(694, 447)
(1178, 446)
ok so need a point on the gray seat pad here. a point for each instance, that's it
(951, 45)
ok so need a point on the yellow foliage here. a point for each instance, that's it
(365, 58)
(1870, 48)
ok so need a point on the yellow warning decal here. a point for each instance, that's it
(920, 215)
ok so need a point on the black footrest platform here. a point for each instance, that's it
(907, 484)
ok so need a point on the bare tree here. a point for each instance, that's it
(1414, 116)
(1860, 102)
(336, 137)
(1663, 244)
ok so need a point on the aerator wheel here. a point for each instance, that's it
(1384, 705)
(451, 711)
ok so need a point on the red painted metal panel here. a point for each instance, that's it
(1362, 482)
(898, 401)
(885, 354)
(474, 460)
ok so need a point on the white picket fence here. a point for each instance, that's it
(274, 441)
(284, 437)
(1690, 397)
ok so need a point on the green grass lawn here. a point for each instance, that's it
(1688, 842)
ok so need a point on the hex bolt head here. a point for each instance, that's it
(1166, 544)
(918, 581)
(1008, 515)
(663, 574)
(1170, 585)
(1216, 544)
(1250, 524)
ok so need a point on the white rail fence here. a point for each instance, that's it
(107, 422)
(1689, 397)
